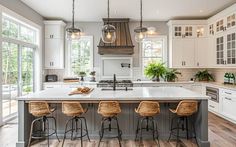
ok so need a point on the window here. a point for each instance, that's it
(19, 42)
(81, 55)
(153, 50)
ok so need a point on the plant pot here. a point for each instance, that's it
(92, 79)
(82, 78)
(156, 79)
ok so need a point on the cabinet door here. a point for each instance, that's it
(177, 52)
(188, 52)
(231, 20)
(211, 29)
(220, 25)
(201, 51)
(177, 31)
(54, 31)
(229, 104)
(188, 31)
(201, 31)
(54, 54)
(220, 50)
(230, 47)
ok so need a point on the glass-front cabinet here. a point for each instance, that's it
(220, 25)
(211, 30)
(183, 31)
(231, 19)
(226, 48)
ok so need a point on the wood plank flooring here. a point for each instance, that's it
(222, 133)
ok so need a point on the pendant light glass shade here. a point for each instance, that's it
(108, 30)
(73, 33)
(140, 32)
(108, 33)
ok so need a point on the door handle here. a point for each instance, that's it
(228, 98)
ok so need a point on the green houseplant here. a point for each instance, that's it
(171, 75)
(82, 75)
(203, 76)
(155, 71)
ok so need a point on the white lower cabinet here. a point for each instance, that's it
(49, 86)
(213, 106)
(228, 106)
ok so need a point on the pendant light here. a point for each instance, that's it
(108, 30)
(73, 33)
(140, 32)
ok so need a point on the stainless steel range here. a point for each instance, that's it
(109, 83)
(113, 84)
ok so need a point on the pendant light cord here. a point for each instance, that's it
(141, 14)
(73, 14)
(108, 11)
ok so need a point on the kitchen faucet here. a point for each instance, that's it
(114, 82)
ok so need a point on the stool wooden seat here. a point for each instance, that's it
(41, 110)
(74, 109)
(147, 110)
(109, 111)
(184, 110)
(109, 108)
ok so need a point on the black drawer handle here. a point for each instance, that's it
(228, 99)
(228, 93)
(212, 106)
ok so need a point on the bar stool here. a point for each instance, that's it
(75, 110)
(109, 111)
(41, 110)
(184, 110)
(147, 110)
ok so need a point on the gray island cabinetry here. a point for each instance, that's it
(129, 100)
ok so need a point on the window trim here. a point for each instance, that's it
(68, 53)
(164, 56)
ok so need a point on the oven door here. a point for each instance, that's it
(213, 96)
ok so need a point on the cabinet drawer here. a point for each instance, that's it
(45, 87)
(214, 106)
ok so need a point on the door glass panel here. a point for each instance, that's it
(9, 78)
(27, 71)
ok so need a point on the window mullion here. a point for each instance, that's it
(19, 70)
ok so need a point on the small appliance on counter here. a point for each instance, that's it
(229, 78)
(71, 79)
(51, 78)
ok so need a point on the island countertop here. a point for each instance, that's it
(136, 94)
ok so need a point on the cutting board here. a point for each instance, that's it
(79, 92)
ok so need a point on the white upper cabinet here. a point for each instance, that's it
(54, 29)
(54, 44)
(187, 43)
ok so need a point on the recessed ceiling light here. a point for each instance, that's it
(200, 11)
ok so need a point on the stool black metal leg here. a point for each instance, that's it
(157, 133)
(55, 123)
(66, 131)
(195, 136)
(141, 131)
(118, 131)
(46, 120)
(171, 127)
(153, 128)
(186, 121)
(86, 127)
(72, 129)
(178, 123)
(137, 130)
(81, 132)
(101, 131)
(31, 130)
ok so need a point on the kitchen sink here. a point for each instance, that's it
(117, 89)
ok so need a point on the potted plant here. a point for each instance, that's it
(203, 76)
(171, 75)
(93, 73)
(82, 75)
(155, 71)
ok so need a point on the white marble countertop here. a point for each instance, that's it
(137, 94)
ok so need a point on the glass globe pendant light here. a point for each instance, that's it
(108, 30)
(73, 33)
(140, 32)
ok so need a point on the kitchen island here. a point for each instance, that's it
(167, 96)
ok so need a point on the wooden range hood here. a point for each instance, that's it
(123, 44)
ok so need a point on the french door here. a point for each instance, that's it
(17, 76)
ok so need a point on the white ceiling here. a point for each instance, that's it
(153, 10)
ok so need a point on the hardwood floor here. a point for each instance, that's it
(222, 133)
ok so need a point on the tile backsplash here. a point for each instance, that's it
(187, 74)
